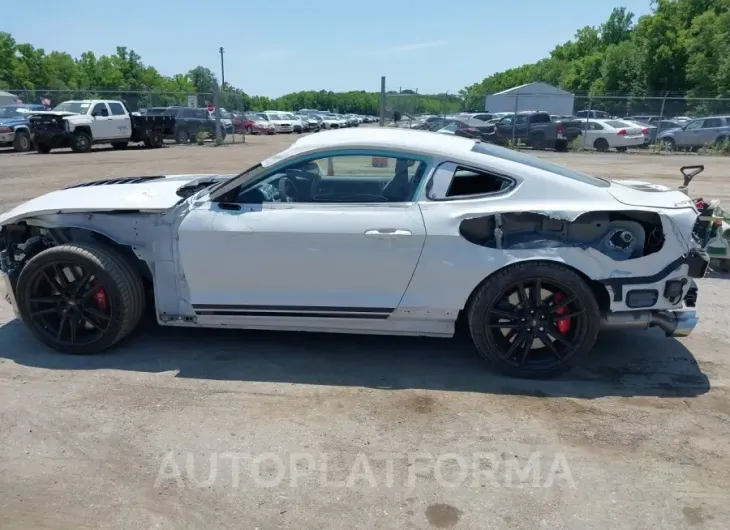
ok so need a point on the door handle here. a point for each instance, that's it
(387, 232)
(109, 119)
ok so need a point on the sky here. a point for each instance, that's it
(274, 47)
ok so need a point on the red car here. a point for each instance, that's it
(254, 123)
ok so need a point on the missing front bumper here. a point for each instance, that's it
(9, 294)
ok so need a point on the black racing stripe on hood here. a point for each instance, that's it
(125, 180)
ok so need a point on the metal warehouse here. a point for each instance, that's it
(532, 96)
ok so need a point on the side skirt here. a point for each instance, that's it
(368, 321)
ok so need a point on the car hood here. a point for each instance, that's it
(640, 193)
(283, 122)
(148, 194)
(12, 122)
(54, 113)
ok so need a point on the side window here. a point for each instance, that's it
(117, 109)
(521, 119)
(339, 180)
(696, 124)
(593, 126)
(711, 123)
(201, 114)
(100, 109)
(187, 113)
(540, 118)
(468, 182)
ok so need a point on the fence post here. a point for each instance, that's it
(216, 98)
(661, 114)
(514, 118)
(382, 101)
(588, 118)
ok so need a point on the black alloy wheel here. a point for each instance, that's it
(534, 320)
(534, 324)
(79, 298)
(68, 304)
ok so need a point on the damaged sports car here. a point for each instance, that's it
(375, 231)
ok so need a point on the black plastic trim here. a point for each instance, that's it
(697, 259)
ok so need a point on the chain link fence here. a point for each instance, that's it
(140, 101)
(407, 104)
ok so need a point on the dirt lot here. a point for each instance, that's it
(261, 430)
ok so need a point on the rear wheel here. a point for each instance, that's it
(669, 144)
(561, 146)
(534, 320)
(601, 144)
(42, 148)
(537, 141)
(622, 149)
(80, 299)
(21, 142)
(182, 136)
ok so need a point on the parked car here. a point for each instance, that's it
(331, 121)
(603, 135)
(536, 129)
(81, 124)
(531, 274)
(697, 133)
(254, 123)
(593, 114)
(283, 122)
(14, 130)
(467, 127)
(189, 123)
(314, 122)
(655, 127)
(226, 120)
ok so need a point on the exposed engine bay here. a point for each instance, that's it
(618, 235)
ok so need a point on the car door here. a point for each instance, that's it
(341, 254)
(102, 127)
(689, 135)
(710, 130)
(121, 122)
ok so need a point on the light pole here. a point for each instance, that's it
(223, 71)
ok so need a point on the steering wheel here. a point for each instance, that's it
(287, 190)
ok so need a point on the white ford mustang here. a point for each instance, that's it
(380, 231)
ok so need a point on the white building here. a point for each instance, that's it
(532, 96)
(6, 98)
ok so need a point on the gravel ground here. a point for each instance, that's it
(202, 429)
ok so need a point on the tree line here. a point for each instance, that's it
(682, 47)
(32, 74)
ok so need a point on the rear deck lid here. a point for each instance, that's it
(640, 193)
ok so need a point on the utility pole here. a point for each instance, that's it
(223, 71)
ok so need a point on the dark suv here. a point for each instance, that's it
(188, 122)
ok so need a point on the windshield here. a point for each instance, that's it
(538, 163)
(78, 107)
(16, 112)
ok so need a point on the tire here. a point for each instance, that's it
(622, 149)
(43, 148)
(600, 145)
(120, 145)
(561, 146)
(182, 136)
(119, 282)
(157, 140)
(537, 141)
(493, 344)
(81, 142)
(669, 144)
(22, 142)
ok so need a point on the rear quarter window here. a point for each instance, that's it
(538, 163)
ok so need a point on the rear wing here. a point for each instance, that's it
(688, 173)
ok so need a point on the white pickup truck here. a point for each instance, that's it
(83, 123)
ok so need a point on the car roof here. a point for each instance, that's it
(386, 138)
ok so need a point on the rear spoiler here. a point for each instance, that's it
(688, 173)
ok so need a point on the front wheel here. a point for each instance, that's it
(79, 298)
(534, 319)
(81, 142)
(601, 144)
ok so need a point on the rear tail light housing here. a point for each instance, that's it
(561, 128)
(622, 132)
(644, 131)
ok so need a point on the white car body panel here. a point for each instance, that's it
(388, 268)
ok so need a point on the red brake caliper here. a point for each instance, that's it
(100, 297)
(563, 323)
